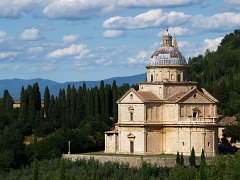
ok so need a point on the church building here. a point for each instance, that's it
(168, 114)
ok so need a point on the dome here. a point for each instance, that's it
(168, 53)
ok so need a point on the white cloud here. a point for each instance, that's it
(35, 49)
(156, 3)
(232, 3)
(104, 62)
(178, 31)
(76, 9)
(81, 9)
(151, 18)
(16, 8)
(192, 49)
(112, 33)
(73, 50)
(176, 20)
(70, 38)
(226, 20)
(4, 55)
(141, 57)
(30, 34)
(212, 44)
(2, 36)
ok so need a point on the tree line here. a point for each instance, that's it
(77, 115)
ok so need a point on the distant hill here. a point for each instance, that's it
(14, 85)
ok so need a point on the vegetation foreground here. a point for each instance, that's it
(222, 167)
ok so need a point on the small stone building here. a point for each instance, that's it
(168, 113)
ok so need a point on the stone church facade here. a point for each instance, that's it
(168, 113)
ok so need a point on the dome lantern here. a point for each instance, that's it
(168, 53)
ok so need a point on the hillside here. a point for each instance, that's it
(219, 73)
(14, 85)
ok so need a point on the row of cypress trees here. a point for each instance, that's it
(70, 109)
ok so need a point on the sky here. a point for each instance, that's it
(73, 40)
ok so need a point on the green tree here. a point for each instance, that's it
(178, 159)
(102, 99)
(62, 108)
(192, 158)
(46, 103)
(203, 160)
(182, 160)
(115, 98)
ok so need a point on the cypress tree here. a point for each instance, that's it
(102, 99)
(46, 103)
(178, 160)
(51, 111)
(114, 101)
(90, 104)
(73, 98)
(31, 110)
(202, 171)
(23, 107)
(85, 96)
(192, 158)
(7, 111)
(203, 160)
(37, 96)
(7, 102)
(80, 109)
(107, 104)
(62, 107)
(68, 107)
(182, 160)
(97, 104)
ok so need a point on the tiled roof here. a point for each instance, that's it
(226, 121)
(177, 96)
(147, 96)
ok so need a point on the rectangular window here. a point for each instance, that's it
(131, 116)
(131, 147)
(194, 114)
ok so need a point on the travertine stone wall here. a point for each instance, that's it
(133, 161)
(137, 110)
(134, 134)
(154, 140)
(168, 73)
(170, 113)
(111, 142)
(183, 139)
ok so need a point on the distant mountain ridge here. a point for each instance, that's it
(14, 85)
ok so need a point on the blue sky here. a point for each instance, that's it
(72, 40)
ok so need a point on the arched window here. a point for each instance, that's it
(151, 78)
(179, 77)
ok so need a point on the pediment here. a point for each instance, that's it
(130, 97)
(197, 96)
